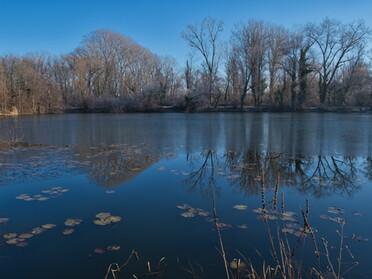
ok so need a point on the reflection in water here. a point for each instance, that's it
(114, 165)
(320, 176)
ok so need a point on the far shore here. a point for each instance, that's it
(220, 109)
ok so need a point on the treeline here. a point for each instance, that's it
(262, 64)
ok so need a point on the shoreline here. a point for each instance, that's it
(170, 109)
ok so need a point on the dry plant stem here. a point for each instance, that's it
(340, 251)
(220, 238)
(263, 187)
(113, 271)
(325, 243)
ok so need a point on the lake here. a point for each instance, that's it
(82, 191)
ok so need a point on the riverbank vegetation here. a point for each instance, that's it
(262, 65)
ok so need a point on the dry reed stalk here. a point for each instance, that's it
(263, 187)
(220, 238)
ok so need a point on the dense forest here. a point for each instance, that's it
(319, 65)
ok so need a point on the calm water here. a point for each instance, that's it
(142, 166)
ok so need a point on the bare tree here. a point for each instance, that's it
(276, 44)
(204, 37)
(335, 43)
(250, 42)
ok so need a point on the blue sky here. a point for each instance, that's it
(58, 26)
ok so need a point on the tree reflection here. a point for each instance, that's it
(317, 175)
(113, 166)
(203, 178)
(320, 176)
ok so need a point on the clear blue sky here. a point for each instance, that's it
(57, 26)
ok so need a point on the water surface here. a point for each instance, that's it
(142, 166)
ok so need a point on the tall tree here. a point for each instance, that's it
(204, 37)
(335, 43)
(250, 42)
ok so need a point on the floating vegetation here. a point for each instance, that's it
(188, 214)
(19, 239)
(336, 210)
(110, 192)
(224, 226)
(235, 264)
(105, 218)
(37, 230)
(99, 251)
(4, 220)
(22, 244)
(26, 235)
(52, 193)
(10, 235)
(333, 219)
(240, 207)
(113, 248)
(288, 216)
(184, 206)
(358, 214)
(70, 222)
(243, 226)
(14, 241)
(68, 231)
(192, 212)
(204, 213)
(48, 226)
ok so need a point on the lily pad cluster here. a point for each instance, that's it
(109, 248)
(71, 222)
(105, 218)
(20, 239)
(51, 193)
(191, 211)
(265, 214)
(336, 211)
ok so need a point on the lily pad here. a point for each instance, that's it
(240, 207)
(113, 248)
(26, 235)
(184, 206)
(43, 199)
(103, 215)
(113, 219)
(70, 222)
(22, 244)
(37, 230)
(68, 231)
(235, 264)
(288, 230)
(259, 210)
(99, 251)
(337, 220)
(110, 192)
(4, 220)
(243, 226)
(204, 213)
(336, 210)
(187, 214)
(105, 218)
(99, 222)
(13, 241)
(10, 235)
(48, 226)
